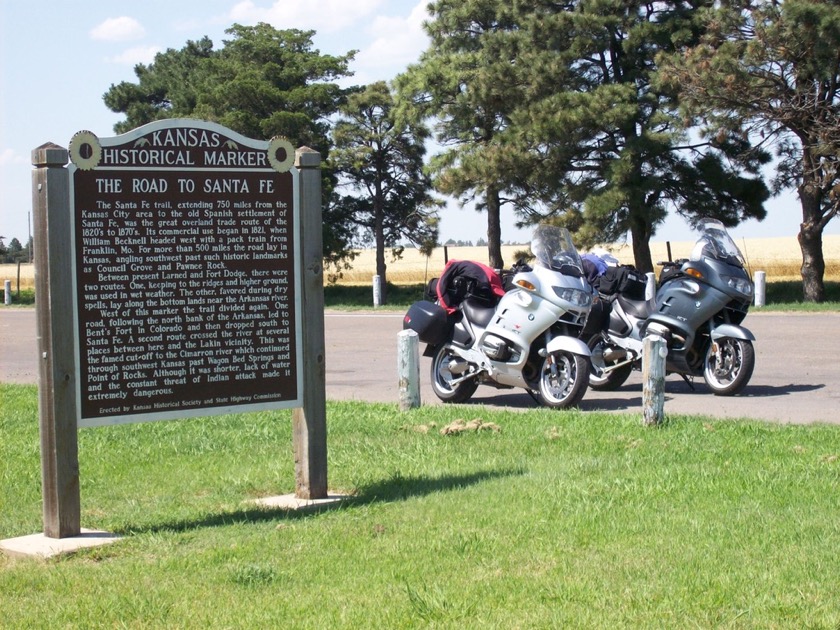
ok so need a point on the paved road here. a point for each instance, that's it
(796, 379)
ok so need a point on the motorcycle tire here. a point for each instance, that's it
(563, 380)
(442, 378)
(728, 370)
(613, 379)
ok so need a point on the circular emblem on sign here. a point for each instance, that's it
(281, 154)
(85, 150)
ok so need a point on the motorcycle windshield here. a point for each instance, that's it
(553, 248)
(716, 243)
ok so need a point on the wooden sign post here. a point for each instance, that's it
(56, 367)
(309, 421)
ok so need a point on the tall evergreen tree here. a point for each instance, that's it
(462, 81)
(262, 83)
(608, 151)
(382, 161)
(551, 106)
(772, 69)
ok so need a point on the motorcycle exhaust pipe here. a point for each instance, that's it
(614, 354)
(457, 366)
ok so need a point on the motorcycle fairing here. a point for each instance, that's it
(731, 331)
(568, 344)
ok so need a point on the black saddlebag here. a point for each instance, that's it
(429, 321)
(598, 319)
(625, 280)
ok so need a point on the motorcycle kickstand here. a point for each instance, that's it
(689, 382)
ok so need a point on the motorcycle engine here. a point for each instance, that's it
(495, 348)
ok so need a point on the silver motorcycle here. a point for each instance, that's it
(526, 336)
(698, 309)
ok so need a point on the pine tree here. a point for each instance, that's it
(262, 83)
(771, 69)
(382, 161)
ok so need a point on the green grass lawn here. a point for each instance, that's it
(559, 520)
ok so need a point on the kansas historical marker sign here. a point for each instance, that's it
(179, 272)
(185, 241)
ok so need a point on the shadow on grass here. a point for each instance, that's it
(395, 488)
(399, 488)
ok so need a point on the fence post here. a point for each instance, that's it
(8, 296)
(653, 380)
(650, 286)
(408, 369)
(377, 290)
(760, 288)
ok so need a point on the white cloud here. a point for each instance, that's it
(9, 156)
(133, 56)
(396, 42)
(119, 29)
(323, 16)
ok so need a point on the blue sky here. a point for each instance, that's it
(57, 59)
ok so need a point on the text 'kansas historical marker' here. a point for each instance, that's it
(186, 272)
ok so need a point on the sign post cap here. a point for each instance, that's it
(49, 154)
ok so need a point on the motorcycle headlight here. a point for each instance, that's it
(575, 296)
(741, 285)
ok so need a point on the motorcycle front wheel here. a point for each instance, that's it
(442, 378)
(605, 381)
(564, 378)
(729, 366)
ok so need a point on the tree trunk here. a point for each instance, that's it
(494, 229)
(640, 234)
(810, 242)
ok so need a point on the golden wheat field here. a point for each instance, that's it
(780, 258)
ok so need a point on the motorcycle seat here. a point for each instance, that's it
(477, 312)
(636, 308)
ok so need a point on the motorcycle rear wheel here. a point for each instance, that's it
(728, 370)
(609, 381)
(563, 380)
(442, 378)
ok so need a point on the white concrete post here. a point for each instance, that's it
(408, 369)
(653, 380)
(760, 288)
(650, 287)
(8, 285)
(377, 291)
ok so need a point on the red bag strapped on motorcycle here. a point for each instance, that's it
(462, 279)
